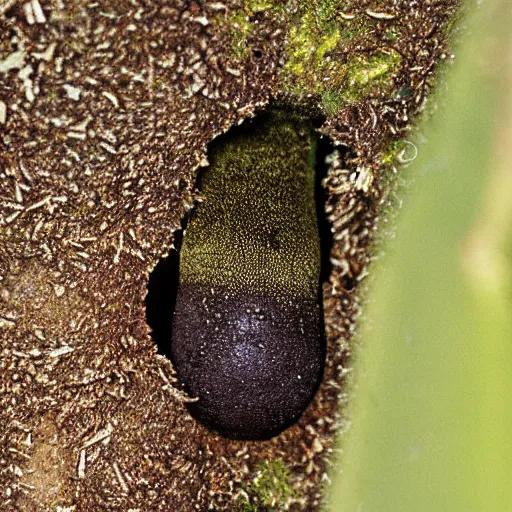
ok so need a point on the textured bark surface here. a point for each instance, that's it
(106, 110)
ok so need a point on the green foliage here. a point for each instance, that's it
(317, 36)
(242, 505)
(363, 75)
(399, 152)
(432, 413)
(272, 483)
(308, 44)
(331, 102)
(240, 25)
(254, 6)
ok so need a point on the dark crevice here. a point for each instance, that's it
(162, 293)
(324, 149)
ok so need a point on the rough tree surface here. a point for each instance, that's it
(106, 110)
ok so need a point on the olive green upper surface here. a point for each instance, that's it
(256, 229)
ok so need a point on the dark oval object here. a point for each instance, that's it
(247, 335)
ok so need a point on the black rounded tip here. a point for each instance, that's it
(254, 362)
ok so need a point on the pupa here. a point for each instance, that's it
(247, 332)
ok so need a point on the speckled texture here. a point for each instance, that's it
(106, 109)
(256, 228)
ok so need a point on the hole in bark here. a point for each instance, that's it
(164, 280)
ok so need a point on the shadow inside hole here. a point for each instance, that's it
(324, 149)
(161, 297)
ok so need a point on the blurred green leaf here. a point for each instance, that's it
(432, 406)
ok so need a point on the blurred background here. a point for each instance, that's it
(431, 416)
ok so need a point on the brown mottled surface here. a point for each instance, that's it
(108, 108)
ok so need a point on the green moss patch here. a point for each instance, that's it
(327, 50)
(241, 26)
(325, 57)
(310, 41)
(270, 489)
(371, 74)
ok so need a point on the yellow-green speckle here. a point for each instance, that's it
(240, 25)
(255, 6)
(331, 102)
(256, 228)
(362, 76)
(240, 28)
(324, 51)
